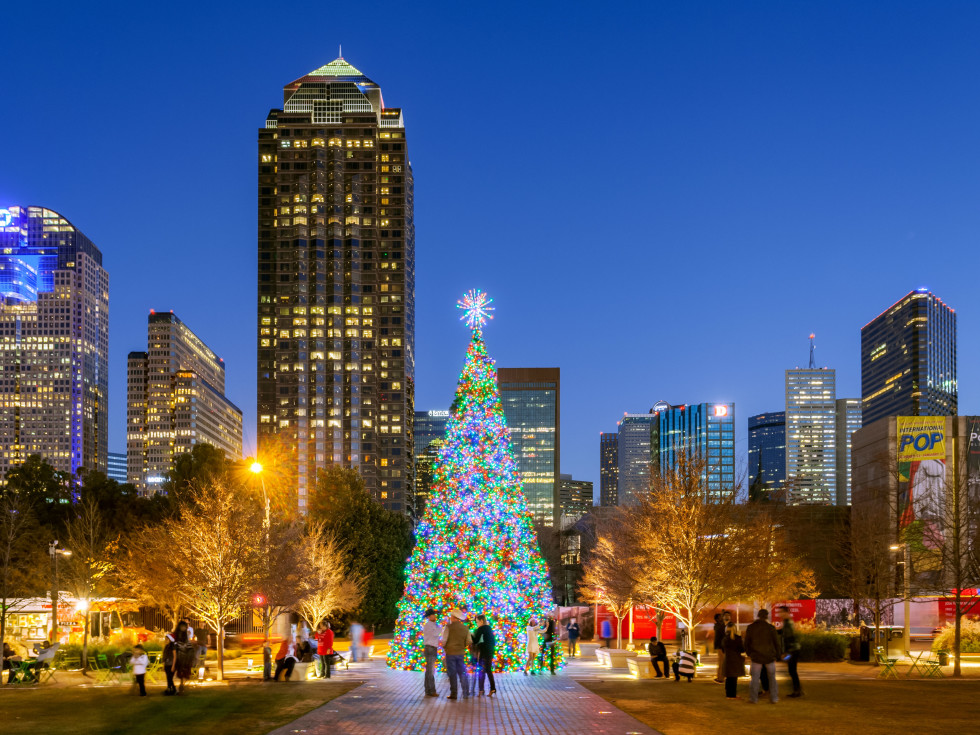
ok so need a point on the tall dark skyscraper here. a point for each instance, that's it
(336, 291)
(767, 449)
(908, 360)
(608, 468)
(54, 343)
(531, 399)
(706, 430)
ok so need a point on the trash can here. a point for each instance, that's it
(944, 658)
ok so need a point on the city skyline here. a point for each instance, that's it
(739, 159)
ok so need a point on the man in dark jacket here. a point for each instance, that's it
(483, 640)
(762, 647)
(791, 647)
(658, 655)
(719, 636)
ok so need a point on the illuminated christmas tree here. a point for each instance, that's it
(476, 545)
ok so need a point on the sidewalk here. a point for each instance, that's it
(393, 702)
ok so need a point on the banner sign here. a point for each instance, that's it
(921, 438)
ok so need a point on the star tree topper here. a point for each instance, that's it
(476, 308)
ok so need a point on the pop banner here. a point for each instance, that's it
(921, 438)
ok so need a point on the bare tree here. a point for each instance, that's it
(771, 570)
(22, 563)
(146, 573)
(326, 584)
(282, 572)
(216, 553)
(610, 573)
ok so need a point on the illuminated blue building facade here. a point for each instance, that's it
(54, 337)
(705, 430)
(767, 449)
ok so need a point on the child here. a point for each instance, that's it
(139, 662)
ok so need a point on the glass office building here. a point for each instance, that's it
(429, 437)
(635, 442)
(429, 426)
(531, 399)
(811, 436)
(705, 430)
(908, 360)
(336, 288)
(54, 343)
(767, 449)
(608, 468)
(575, 498)
(848, 421)
(116, 467)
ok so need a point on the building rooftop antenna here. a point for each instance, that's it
(813, 363)
(340, 50)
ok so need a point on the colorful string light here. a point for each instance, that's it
(476, 545)
(476, 308)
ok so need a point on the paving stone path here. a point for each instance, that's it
(392, 702)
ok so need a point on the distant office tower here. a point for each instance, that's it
(908, 360)
(575, 497)
(531, 399)
(608, 468)
(635, 441)
(175, 399)
(767, 449)
(116, 467)
(429, 436)
(811, 436)
(54, 343)
(336, 292)
(429, 425)
(705, 430)
(848, 420)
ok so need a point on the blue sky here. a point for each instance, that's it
(664, 199)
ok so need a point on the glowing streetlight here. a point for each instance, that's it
(256, 467)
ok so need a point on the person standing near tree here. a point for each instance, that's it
(573, 635)
(734, 660)
(718, 633)
(533, 646)
(483, 640)
(455, 640)
(762, 646)
(356, 640)
(324, 649)
(791, 649)
(606, 634)
(431, 635)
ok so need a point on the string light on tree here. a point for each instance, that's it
(476, 545)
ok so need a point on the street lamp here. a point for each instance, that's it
(55, 552)
(256, 469)
(906, 633)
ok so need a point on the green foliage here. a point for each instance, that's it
(969, 637)
(377, 541)
(821, 645)
(44, 487)
(204, 463)
(229, 653)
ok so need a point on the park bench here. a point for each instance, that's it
(640, 668)
(614, 658)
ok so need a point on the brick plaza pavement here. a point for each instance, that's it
(393, 702)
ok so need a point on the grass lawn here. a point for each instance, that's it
(241, 708)
(867, 707)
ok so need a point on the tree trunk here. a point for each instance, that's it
(3, 633)
(619, 632)
(221, 652)
(957, 627)
(88, 617)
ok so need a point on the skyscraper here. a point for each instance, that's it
(767, 449)
(54, 343)
(575, 497)
(908, 359)
(811, 436)
(531, 399)
(848, 421)
(175, 399)
(429, 436)
(705, 430)
(336, 292)
(429, 426)
(608, 468)
(116, 467)
(634, 450)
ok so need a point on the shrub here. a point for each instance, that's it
(969, 637)
(821, 645)
(230, 653)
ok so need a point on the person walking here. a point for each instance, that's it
(658, 655)
(717, 633)
(573, 632)
(533, 646)
(286, 658)
(431, 633)
(791, 649)
(324, 649)
(762, 646)
(178, 657)
(606, 634)
(455, 640)
(138, 662)
(734, 660)
(484, 642)
(356, 641)
(548, 649)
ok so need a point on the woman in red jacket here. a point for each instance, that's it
(324, 649)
